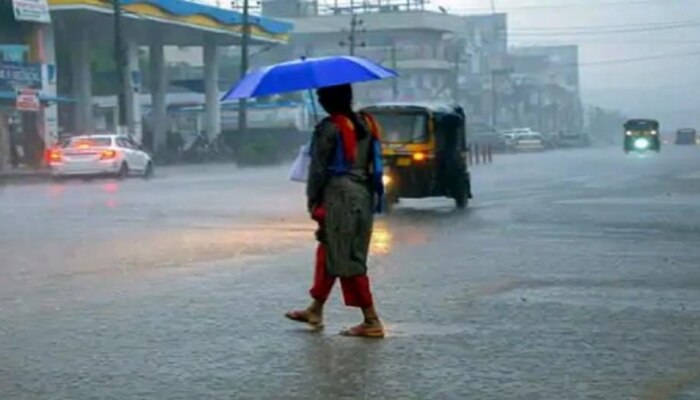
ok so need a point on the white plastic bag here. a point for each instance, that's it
(300, 168)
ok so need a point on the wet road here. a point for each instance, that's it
(573, 275)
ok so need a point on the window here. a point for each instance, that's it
(402, 128)
(80, 142)
(125, 143)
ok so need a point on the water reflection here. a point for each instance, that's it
(110, 187)
(382, 239)
(56, 190)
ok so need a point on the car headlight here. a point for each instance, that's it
(654, 132)
(628, 133)
(641, 144)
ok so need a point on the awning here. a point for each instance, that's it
(42, 97)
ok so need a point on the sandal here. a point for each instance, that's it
(303, 316)
(364, 331)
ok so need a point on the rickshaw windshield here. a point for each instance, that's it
(403, 128)
(641, 125)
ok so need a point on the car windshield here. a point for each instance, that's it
(86, 142)
(403, 128)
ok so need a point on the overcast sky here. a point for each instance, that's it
(668, 88)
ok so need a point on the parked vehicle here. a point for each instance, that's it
(483, 135)
(530, 142)
(87, 155)
(686, 136)
(524, 139)
(574, 139)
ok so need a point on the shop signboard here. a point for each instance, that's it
(19, 75)
(32, 11)
(27, 100)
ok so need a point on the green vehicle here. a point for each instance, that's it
(642, 135)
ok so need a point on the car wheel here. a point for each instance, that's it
(123, 171)
(148, 172)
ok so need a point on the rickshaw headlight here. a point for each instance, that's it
(641, 144)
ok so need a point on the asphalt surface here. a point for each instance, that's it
(573, 275)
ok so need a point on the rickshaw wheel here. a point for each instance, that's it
(389, 202)
(460, 197)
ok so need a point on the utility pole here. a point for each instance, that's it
(245, 41)
(120, 63)
(458, 61)
(353, 33)
(394, 81)
(353, 42)
(494, 94)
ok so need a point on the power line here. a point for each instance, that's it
(645, 25)
(635, 59)
(603, 32)
(545, 7)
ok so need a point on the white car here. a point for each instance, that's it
(102, 154)
(529, 142)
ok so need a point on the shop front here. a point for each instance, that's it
(27, 84)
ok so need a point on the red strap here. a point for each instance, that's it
(347, 134)
(374, 127)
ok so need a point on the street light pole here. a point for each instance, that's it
(353, 33)
(245, 42)
(458, 62)
(120, 63)
(394, 81)
(494, 93)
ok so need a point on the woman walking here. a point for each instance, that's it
(343, 191)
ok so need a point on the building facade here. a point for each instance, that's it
(427, 48)
(545, 89)
(27, 83)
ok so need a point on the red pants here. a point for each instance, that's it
(355, 290)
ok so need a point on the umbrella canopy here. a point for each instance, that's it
(306, 74)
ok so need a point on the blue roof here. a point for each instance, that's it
(184, 8)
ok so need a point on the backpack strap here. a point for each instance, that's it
(347, 136)
(372, 124)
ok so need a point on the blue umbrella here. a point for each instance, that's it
(307, 74)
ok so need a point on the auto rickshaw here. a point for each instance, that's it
(424, 151)
(642, 135)
(686, 136)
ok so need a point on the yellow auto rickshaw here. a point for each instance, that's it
(424, 152)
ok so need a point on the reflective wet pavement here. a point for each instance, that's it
(573, 275)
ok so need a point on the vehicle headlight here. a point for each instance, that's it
(386, 179)
(654, 132)
(628, 133)
(641, 144)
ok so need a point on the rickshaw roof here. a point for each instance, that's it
(642, 121)
(422, 106)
